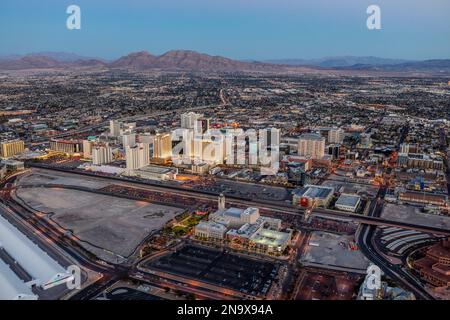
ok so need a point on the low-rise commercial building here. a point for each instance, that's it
(13, 165)
(159, 173)
(348, 202)
(423, 197)
(210, 230)
(310, 195)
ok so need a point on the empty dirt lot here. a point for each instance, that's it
(102, 222)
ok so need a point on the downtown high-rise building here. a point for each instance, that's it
(114, 128)
(365, 140)
(88, 145)
(336, 135)
(137, 157)
(162, 146)
(10, 148)
(202, 125)
(311, 145)
(189, 120)
(102, 154)
(409, 148)
(70, 147)
(128, 140)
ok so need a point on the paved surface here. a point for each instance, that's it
(413, 214)
(333, 251)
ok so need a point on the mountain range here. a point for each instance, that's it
(187, 60)
(337, 62)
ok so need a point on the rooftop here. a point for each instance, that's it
(314, 191)
(270, 237)
(29, 256)
(12, 287)
(311, 136)
(155, 169)
(348, 200)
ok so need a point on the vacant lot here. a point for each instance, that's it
(103, 222)
(413, 214)
(333, 251)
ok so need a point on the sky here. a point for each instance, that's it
(238, 29)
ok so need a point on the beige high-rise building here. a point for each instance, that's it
(114, 128)
(87, 148)
(102, 154)
(336, 135)
(213, 151)
(311, 145)
(162, 146)
(138, 156)
(67, 146)
(202, 124)
(129, 140)
(11, 148)
(189, 120)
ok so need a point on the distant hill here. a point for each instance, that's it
(337, 62)
(136, 60)
(47, 60)
(63, 56)
(28, 62)
(434, 66)
(187, 60)
(57, 56)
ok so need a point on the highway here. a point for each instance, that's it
(364, 237)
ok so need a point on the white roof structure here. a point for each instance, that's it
(45, 271)
(12, 287)
(271, 238)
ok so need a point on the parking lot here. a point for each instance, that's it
(246, 190)
(219, 268)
